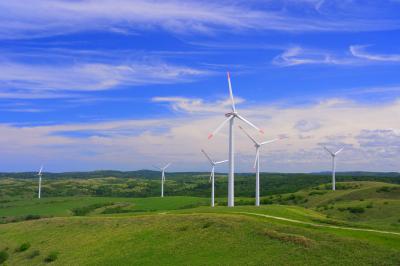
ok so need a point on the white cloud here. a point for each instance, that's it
(193, 105)
(133, 144)
(54, 17)
(301, 56)
(23, 80)
(297, 55)
(359, 51)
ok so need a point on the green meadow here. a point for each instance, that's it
(359, 224)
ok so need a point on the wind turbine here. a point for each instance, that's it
(257, 162)
(212, 176)
(39, 174)
(231, 116)
(333, 154)
(162, 169)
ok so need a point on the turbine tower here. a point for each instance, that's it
(162, 169)
(333, 154)
(39, 174)
(231, 116)
(257, 162)
(212, 176)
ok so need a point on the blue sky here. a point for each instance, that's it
(124, 84)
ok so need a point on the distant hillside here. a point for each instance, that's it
(145, 183)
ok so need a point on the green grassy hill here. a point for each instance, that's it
(370, 203)
(359, 224)
(198, 236)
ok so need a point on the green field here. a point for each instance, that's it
(313, 226)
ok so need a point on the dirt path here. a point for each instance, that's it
(319, 225)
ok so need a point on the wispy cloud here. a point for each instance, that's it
(188, 105)
(359, 51)
(65, 73)
(301, 56)
(91, 76)
(297, 55)
(54, 17)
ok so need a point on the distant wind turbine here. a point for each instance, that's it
(333, 154)
(212, 176)
(39, 174)
(162, 169)
(257, 162)
(231, 116)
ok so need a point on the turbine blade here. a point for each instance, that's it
(231, 93)
(208, 157)
(212, 170)
(219, 127)
(331, 153)
(336, 153)
(249, 123)
(224, 161)
(250, 137)
(257, 157)
(268, 141)
(165, 167)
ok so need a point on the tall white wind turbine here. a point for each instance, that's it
(333, 154)
(257, 162)
(162, 169)
(212, 176)
(39, 174)
(231, 116)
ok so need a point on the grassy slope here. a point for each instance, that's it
(380, 202)
(172, 234)
(63, 206)
(198, 239)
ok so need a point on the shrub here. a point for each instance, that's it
(32, 217)
(23, 247)
(3, 256)
(51, 257)
(316, 193)
(384, 189)
(266, 201)
(34, 254)
(82, 211)
(356, 209)
(370, 205)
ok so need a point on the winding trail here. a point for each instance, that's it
(319, 225)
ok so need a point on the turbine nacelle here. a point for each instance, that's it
(230, 114)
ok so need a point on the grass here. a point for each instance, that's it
(182, 230)
(177, 239)
(366, 203)
(67, 206)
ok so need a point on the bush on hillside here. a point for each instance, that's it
(51, 257)
(357, 209)
(3, 256)
(317, 192)
(23, 247)
(385, 189)
(32, 217)
(82, 211)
